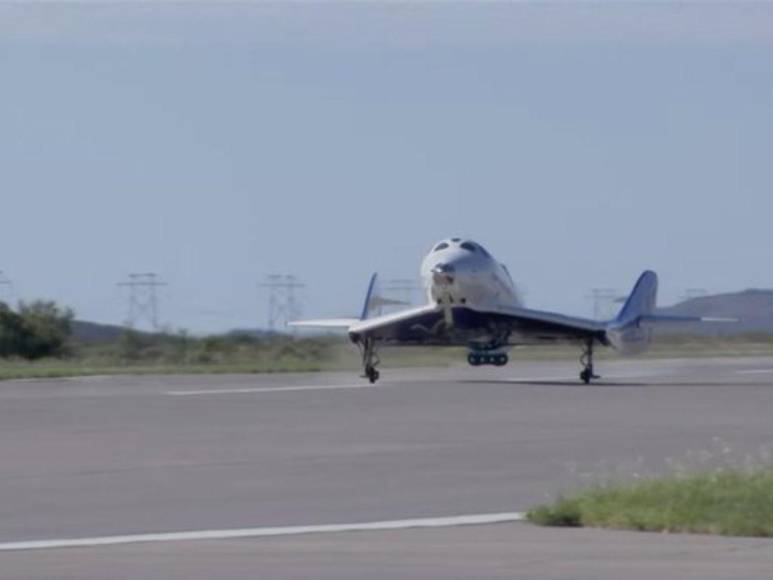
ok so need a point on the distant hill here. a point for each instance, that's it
(252, 332)
(84, 331)
(754, 307)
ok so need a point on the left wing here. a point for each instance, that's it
(552, 322)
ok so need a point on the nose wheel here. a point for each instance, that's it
(586, 360)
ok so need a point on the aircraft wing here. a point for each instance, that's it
(540, 321)
(404, 318)
(429, 324)
(324, 323)
(364, 326)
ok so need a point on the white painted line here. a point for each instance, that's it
(264, 390)
(754, 372)
(440, 522)
(574, 378)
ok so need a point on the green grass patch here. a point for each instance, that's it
(729, 501)
(206, 356)
(136, 353)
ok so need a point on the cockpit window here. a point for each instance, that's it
(469, 246)
(440, 246)
(456, 239)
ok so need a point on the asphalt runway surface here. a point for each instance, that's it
(103, 456)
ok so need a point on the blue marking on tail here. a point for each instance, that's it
(366, 306)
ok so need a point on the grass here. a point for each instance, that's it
(177, 354)
(261, 357)
(735, 501)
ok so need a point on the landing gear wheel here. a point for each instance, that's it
(497, 359)
(372, 374)
(585, 376)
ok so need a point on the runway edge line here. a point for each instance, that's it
(438, 522)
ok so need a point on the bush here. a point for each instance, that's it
(130, 345)
(37, 330)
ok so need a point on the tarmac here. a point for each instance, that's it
(194, 456)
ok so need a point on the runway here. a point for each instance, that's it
(116, 456)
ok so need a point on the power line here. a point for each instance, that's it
(143, 299)
(691, 293)
(7, 287)
(404, 288)
(283, 304)
(604, 302)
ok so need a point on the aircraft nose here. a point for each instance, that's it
(443, 274)
(443, 268)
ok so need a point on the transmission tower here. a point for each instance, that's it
(143, 299)
(283, 304)
(403, 288)
(604, 300)
(6, 286)
(691, 293)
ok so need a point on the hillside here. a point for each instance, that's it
(754, 307)
(84, 331)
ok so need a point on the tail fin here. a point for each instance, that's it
(631, 331)
(367, 306)
(642, 299)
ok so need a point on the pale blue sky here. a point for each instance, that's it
(214, 143)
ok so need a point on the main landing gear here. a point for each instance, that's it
(586, 360)
(370, 359)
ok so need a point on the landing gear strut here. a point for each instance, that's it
(370, 359)
(586, 360)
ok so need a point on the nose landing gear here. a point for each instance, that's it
(586, 360)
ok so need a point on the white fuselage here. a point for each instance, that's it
(459, 272)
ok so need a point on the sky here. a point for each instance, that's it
(215, 143)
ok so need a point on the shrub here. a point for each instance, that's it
(37, 330)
